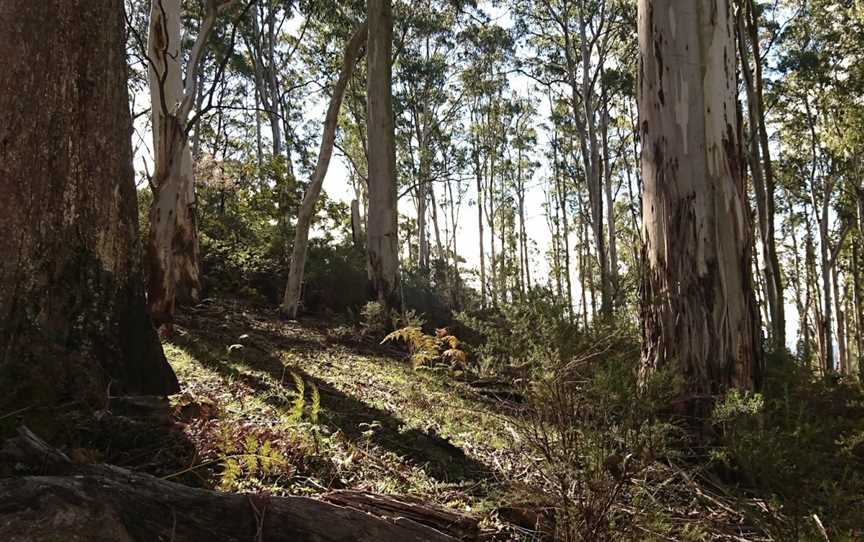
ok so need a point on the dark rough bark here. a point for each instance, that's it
(72, 314)
(437, 517)
(107, 503)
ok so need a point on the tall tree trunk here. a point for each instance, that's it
(799, 289)
(421, 129)
(490, 216)
(810, 286)
(353, 50)
(478, 171)
(172, 247)
(841, 319)
(422, 236)
(586, 273)
(773, 289)
(436, 229)
(698, 314)
(561, 190)
(610, 204)
(821, 209)
(382, 236)
(73, 322)
(585, 113)
(779, 323)
(525, 267)
(858, 308)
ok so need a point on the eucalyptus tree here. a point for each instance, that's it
(73, 321)
(560, 197)
(353, 50)
(571, 44)
(818, 114)
(172, 247)
(699, 316)
(428, 102)
(382, 232)
(523, 140)
(760, 165)
(486, 52)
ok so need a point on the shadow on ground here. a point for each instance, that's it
(203, 340)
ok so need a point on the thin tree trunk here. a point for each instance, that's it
(857, 301)
(810, 284)
(799, 287)
(436, 230)
(773, 293)
(610, 205)
(779, 323)
(561, 190)
(698, 313)
(841, 322)
(353, 51)
(479, 173)
(490, 216)
(586, 274)
(821, 209)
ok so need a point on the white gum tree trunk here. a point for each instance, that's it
(353, 51)
(382, 229)
(172, 246)
(698, 315)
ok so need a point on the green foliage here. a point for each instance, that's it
(521, 333)
(588, 439)
(254, 460)
(335, 278)
(374, 318)
(298, 407)
(799, 445)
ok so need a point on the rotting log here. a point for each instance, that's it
(108, 503)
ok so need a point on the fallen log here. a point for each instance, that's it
(105, 503)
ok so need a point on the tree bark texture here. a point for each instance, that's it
(698, 309)
(72, 312)
(172, 246)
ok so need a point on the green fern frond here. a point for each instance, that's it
(296, 412)
(315, 404)
(231, 472)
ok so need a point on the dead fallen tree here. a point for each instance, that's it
(108, 503)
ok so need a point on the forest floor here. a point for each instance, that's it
(309, 407)
(300, 408)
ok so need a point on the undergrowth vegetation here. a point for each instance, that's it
(557, 440)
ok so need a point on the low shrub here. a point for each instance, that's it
(799, 446)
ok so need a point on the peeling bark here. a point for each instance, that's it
(172, 248)
(72, 315)
(698, 314)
